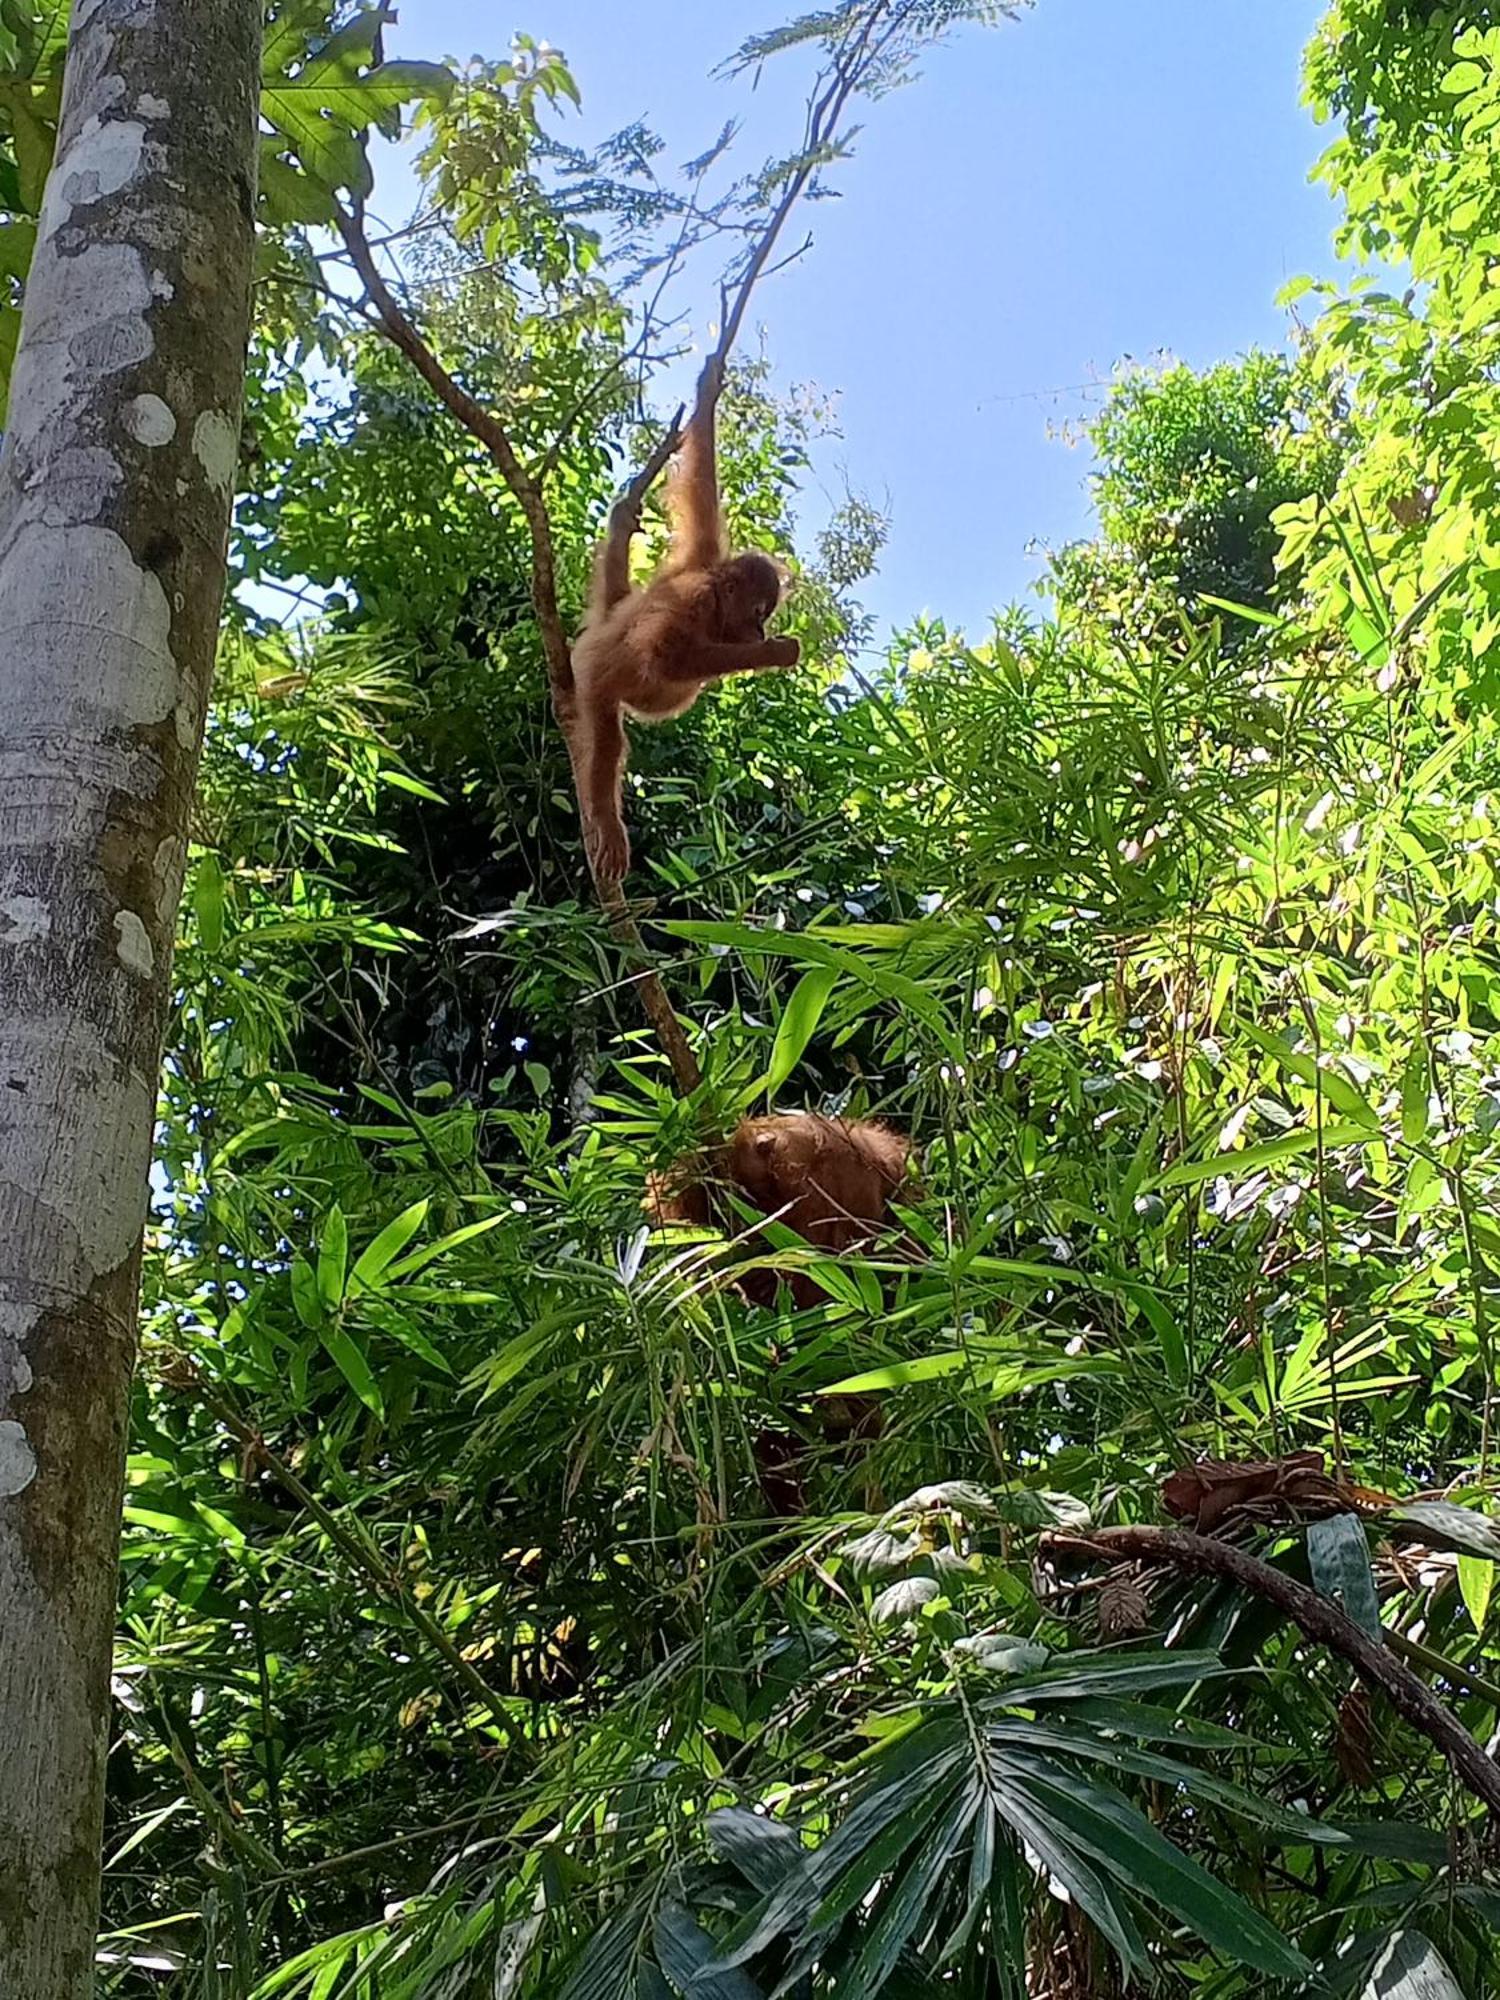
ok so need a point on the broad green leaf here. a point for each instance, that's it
(1338, 1553)
(804, 948)
(333, 1259)
(1173, 1772)
(1118, 1837)
(17, 241)
(403, 1328)
(900, 1602)
(1476, 1582)
(799, 1023)
(517, 1355)
(1412, 1968)
(208, 901)
(1187, 1173)
(1343, 1094)
(1464, 78)
(898, 1374)
(321, 93)
(1130, 1673)
(34, 138)
(912, 1780)
(684, 1949)
(763, 1850)
(1163, 1323)
(904, 1910)
(349, 1359)
(382, 1251)
(306, 1294)
(1070, 1865)
(1416, 1085)
(1016, 1378)
(408, 1267)
(1445, 1525)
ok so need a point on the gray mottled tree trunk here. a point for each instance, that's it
(115, 484)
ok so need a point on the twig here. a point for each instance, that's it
(658, 1009)
(366, 1554)
(1318, 1618)
(480, 424)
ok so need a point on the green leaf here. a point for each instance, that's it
(540, 1079)
(685, 1949)
(333, 1259)
(288, 197)
(798, 1023)
(1464, 78)
(44, 42)
(1114, 1834)
(1187, 1173)
(383, 1249)
(906, 1907)
(402, 781)
(1163, 1323)
(349, 1359)
(1444, 1525)
(306, 1296)
(1416, 1086)
(765, 1851)
(419, 1261)
(1132, 1673)
(34, 139)
(1476, 1581)
(898, 1374)
(322, 93)
(405, 1330)
(208, 902)
(1338, 1553)
(803, 948)
(17, 242)
(1331, 1083)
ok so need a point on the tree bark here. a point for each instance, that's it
(116, 480)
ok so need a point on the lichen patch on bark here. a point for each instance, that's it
(23, 920)
(150, 421)
(121, 603)
(17, 1460)
(104, 157)
(133, 946)
(216, 445)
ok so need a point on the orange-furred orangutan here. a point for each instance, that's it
(832, 1180)
(829, 1179)
(649, 653)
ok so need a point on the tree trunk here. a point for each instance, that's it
(115, 485)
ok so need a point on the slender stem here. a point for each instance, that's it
(356, 1543)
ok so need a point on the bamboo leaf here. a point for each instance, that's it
(799, 1023)
(1338, 1553)
(382, 1250)
(1187, 1173)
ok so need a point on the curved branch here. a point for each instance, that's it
(490, 432)
(1319, 1619)
(532, 501)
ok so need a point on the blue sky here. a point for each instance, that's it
(1103, 178)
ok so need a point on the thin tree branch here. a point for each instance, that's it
(360, 1547)
(1375, 1664)
(480, 424)
(529, 496)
